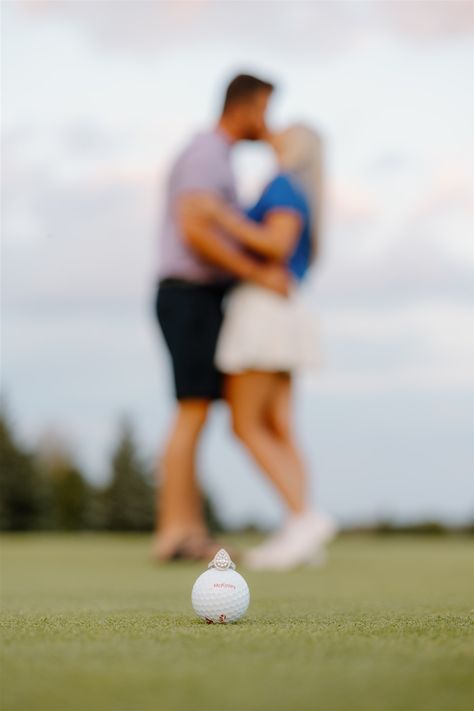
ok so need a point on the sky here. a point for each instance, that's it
(98, 98)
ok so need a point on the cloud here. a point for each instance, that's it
(148, 27)
(351, 204)
(81, 239)
(425, 345)
(429, 20)
(84, 138)
(452, 188)
(414, 264)
(385, 245)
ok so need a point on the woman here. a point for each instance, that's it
(265, 338)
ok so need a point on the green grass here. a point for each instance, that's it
(89, 624)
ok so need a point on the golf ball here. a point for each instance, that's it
(220, 596)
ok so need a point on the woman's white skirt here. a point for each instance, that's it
(265, 331)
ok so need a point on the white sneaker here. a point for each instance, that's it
(257, 556)
(300, 542)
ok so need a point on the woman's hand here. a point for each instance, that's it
(274, 278)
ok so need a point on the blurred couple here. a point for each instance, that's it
(229, 308)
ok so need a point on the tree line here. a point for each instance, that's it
(44, 488)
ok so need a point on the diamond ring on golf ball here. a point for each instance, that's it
(220, 594)
(221, 561)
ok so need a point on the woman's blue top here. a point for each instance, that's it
(283, 193)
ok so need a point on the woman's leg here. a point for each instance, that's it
(280, 419)
(261, 412)
(250, 396)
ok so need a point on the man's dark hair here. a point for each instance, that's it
(243, 87)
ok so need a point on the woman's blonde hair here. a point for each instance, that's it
(300, 152)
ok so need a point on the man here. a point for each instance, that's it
(196, 268)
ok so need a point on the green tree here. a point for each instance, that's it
(70, 497)
(129, 498)
(68, 500)
(21, 493)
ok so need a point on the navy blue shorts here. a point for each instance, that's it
(190, 316)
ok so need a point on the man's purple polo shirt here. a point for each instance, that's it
(203, 166)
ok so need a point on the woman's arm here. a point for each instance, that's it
(275, 238)
(200, 233)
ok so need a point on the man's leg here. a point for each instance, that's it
(190, 317)
(179, 510)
